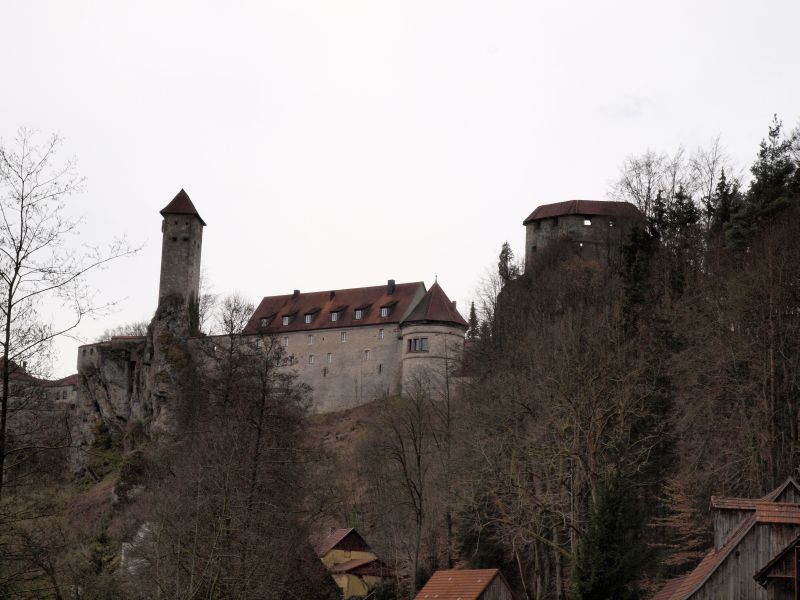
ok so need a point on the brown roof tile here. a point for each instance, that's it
(606, 208)
(455, 584)
(436, 306)
(181, 205)
(402, 299)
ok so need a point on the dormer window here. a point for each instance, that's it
(358, 314)
(309, 318)
(385, 311)
(286, 320)
(335, 315)
(265, 321)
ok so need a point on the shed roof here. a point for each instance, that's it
(435, 306)
(606, 208)
(181, 204)
(458, 584)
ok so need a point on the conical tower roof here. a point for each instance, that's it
(435, 306)
(181, 205)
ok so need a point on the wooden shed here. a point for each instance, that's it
(756, 551)
(466, 584)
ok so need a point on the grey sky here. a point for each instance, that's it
(333, 144)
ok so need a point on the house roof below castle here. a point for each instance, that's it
(181, 205)
(589, 208)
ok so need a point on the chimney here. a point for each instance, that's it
(390, 287)
(454, 305)
(296, 294)
(332, 294)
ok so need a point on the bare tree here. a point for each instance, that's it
(37, 262)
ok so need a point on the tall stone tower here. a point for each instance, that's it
(182, 231)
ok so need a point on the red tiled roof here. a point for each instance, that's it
(605, 208)
(455, 584)
(320, 304)
(181, 205)
(436, 306)
(778, 512)
(68, 380)
(728, 503)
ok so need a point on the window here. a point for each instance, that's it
(587, 221)
(537, 224)
(84, 351)
(555, 221)
(335, 316)
(366, 354)
(311, 359)
(611, 223)
(380, 334)
(64, 395)
(324, 371)
(309, 317)
(310, 339)
(265, 321)
(533, 248)
(285, 341)
(344, 336)
(380, 369)
(330, 358)
(359, 314)
(418, 345)
(286, 320)
(384, 311)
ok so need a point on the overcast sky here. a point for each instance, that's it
(338, 143)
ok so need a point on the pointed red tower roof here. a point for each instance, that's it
(181, 205)
(436, 306)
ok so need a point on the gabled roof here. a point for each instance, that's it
(331, 538)
(402, 297)
(732, 503)
(181, 205)
(435, 306)
(605, 208)
(458, 584)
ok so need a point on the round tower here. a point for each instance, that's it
(182, 242)
(433, 339)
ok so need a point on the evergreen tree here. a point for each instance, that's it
(612, 553)
(724, 202)
(772, 188)
(472, 332)
(506, 267)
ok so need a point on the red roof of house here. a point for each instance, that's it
(458, 584)
(436, 306)
(181, 205)
(604, 208)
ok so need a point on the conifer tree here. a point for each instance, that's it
(612, 553)
(506, 267)
(472, 332)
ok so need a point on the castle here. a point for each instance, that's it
(350, 346)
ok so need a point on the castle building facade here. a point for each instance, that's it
(354, 345)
